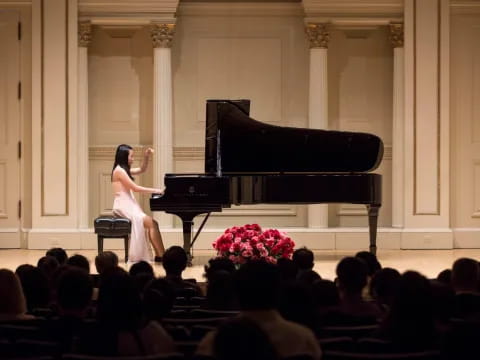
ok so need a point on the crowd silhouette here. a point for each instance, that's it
(58, 309)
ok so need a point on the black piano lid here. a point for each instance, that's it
(236, 143)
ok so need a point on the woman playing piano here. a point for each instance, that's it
(125, 205)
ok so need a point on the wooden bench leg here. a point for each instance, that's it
(126, 238)
(100, 244)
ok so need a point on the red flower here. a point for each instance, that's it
(240, 243)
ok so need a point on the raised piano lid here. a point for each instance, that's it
(236, 143)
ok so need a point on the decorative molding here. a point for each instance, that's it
(375, 8)
(180, 153)
(162, 35)
(352, 210)
(396, 34)
(262, 9)
(464, 7)
(3, 179)
(84, 33)
(127, 7)
(188, 153)
(318, 35)
(108, 152)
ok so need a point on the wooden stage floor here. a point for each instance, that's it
(427, 262)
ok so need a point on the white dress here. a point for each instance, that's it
(125, 205)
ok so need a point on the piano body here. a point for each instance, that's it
(250, 162)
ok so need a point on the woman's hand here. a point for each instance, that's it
(149, 151)
(161, 191)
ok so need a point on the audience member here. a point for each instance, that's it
(80, 262)
(35, 286)
(445, 276)
(465, 279)
(288, 269)
(221, 293)
(105, 260)
(59, 254)
(409, 325)
(303, 258)
(351, 279)
(241, 338)
(175, 262)
(12, 302)
(122, 330)
(383, 287)
(258, 285)
(158, 299)
(48, 265)
(141, 267)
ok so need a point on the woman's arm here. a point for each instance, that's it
(144, 166)
(121, 175)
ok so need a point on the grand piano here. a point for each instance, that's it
(251, 162)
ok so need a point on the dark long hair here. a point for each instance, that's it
(121, 159)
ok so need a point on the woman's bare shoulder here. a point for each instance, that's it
(118, 172)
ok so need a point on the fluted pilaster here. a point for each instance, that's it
(318, 37)
(84, 39)
(162, 36)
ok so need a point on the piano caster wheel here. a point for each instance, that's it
(189, 260)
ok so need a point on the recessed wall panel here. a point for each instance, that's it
(3, 189)
(426, 107)
(54, 108)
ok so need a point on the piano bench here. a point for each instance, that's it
(112, 227)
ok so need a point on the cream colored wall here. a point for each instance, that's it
(120, 71)
(465, 127)
(360, 90)
(263, 58)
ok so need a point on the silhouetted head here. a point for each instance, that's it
(12, 301)
(158, 299)
(221, 294)
(74, 290)
(325, 294)
(141, 267)
(351, 275)
(445, 276)
(119, 302)
(465, 275)
(384, 285)
(174, 260)
(371, 260)
(239, 339)
(59, 254)
(218, 264)
(35, 286)
(257, 284)
(303, 258)
(124, 158)
(287, 269)
(410, 319)
(79, 261)
(106, 260)
(48, 265)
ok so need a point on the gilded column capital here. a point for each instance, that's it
(396, 34)
(318, 35)
(84, 33)
(162, 35)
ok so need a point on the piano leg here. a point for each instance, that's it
(372, 226)
(187, 237)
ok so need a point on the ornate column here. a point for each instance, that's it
(84, 39)
(318, 37)
(398, 131)
(162, 35)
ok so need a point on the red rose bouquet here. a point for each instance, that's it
(249, 242)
